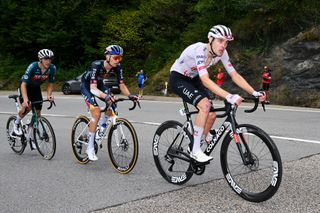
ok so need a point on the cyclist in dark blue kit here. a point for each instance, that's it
(29, 88)
(92, 86)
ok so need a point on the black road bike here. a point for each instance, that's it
(250, 160)
(38, 131)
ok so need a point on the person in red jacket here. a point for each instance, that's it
(265, 82)
(219, 79)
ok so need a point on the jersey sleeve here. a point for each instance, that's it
(200, 61)
(52, 74)
(27, 75)
(94, 71)
(226, 62)
(120, 74)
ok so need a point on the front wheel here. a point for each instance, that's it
(252, 167)
(45, 139)
(170, 151)
(17, 143)
(123, 146)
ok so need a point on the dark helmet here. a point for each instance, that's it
(114, 50)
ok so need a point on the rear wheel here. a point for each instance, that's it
(170, 151)
(16, 143)
(256, 174)
(123, 146)
(45, 139)
(80, 138)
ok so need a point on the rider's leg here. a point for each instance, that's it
(210, 121)
(95, 116)
(204, 107)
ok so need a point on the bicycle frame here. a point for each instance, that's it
(229, 123)
(34, 121)
(113, 120)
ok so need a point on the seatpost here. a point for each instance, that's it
(17, 104)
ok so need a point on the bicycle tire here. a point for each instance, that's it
(17, 143)
(45, 139)
(123, 156)
(173, 170)
(260, 179)
(79, 139)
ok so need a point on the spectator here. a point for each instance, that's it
(219, 79)
(141, 79)
(266, 80)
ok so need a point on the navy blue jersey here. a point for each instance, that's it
(96, 72)
(34, 77)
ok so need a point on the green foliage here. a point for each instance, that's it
(152, 32)
(125, 29)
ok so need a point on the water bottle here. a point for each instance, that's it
(210, 135)
(100, 133)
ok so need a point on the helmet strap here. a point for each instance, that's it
(211, 50)
(108, 62)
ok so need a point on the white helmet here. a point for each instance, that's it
(220, 31)
(45, 54)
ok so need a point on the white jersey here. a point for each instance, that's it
(191, 62)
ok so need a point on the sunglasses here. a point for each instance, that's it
(116, 57)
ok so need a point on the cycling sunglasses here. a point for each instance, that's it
(116, 57)
(46, 57)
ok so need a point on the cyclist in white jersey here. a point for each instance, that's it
(190, 80)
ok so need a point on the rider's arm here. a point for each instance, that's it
(95, 91)
(49, 91)
(241, 82)
(24, 92)
(124, 89)
(213, 87)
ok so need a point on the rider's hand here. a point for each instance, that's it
(261, 95)
(109, 99)
(234, 99)
(50, 98)
(26, 103)
(133, 97)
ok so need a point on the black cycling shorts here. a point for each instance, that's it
(34, 94)
(190, 90)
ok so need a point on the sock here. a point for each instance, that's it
(196, 139)
(91, 140)
(17, 121)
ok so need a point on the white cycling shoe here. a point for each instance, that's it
(200, 157)
(91, 155)
(17, 129)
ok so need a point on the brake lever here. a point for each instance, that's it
(134, 105)
(51, 103)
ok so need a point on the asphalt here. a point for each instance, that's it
(298, 192)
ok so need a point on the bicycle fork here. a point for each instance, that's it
(245, 154)
(117, 129)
